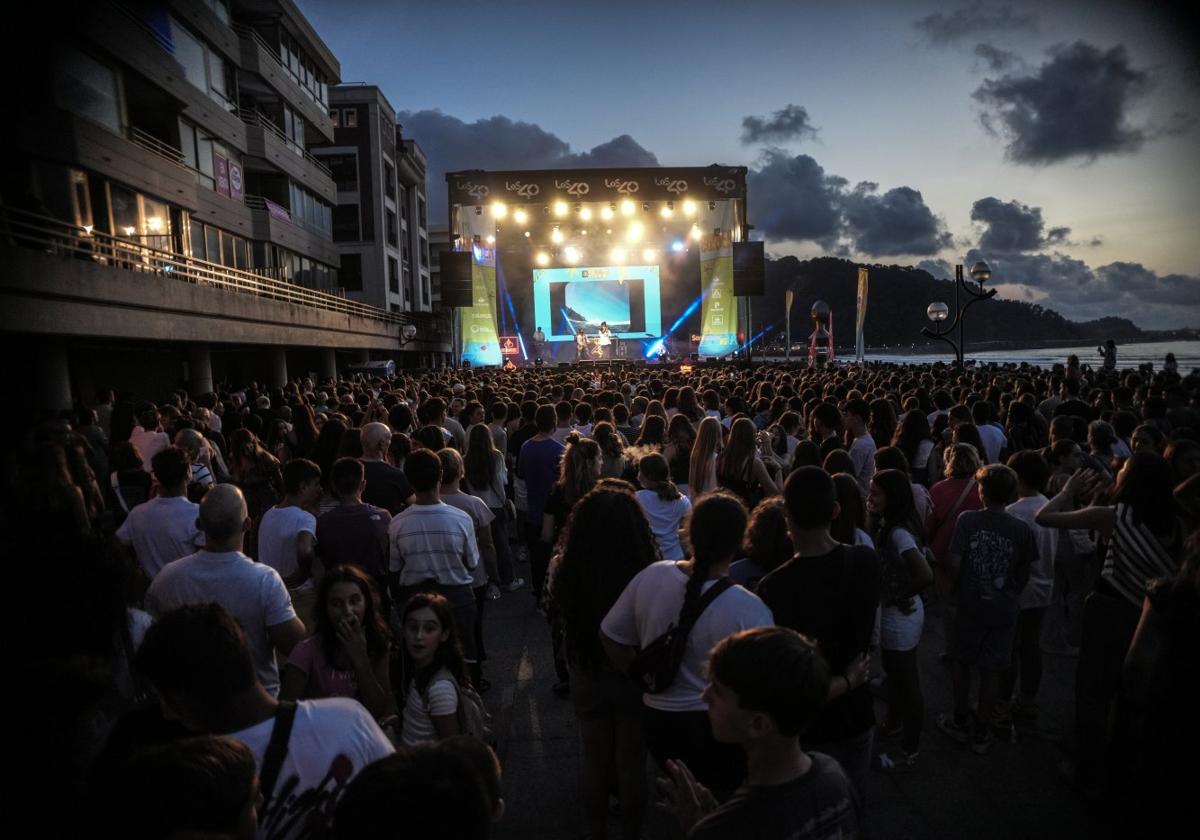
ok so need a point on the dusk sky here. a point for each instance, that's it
(1057, 141)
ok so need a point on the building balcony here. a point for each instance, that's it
(259, 58)
(267, 142)
(274, 223)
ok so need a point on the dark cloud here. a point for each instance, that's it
(996, 59)
(1073, 106)
(1081, 292)
(789, 123)
(792, 198)
(1010, 226)
(976, 19)
(502, 143)
(896, 222)
(937, 269)
(1096, 242)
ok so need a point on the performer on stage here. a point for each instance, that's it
(604, 342)
(581, 348)
(539, 343)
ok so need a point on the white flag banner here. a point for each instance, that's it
(863, 286)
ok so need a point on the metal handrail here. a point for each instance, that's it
(258, 202)
(252, 33)
(52, 236)
(152, 144)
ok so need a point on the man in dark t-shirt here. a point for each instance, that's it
(387, 486)
(829, 592)
(766, 685)
(354, 532)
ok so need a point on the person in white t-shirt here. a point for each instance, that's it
(1033, 474)
(164, 528)
(862, 450)
(434, 669)
(287, 535)
(993, 437)
(664, 593)
(252, 592)
(665, 506)
(197, 659)
(148, 437)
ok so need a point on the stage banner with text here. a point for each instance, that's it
(863, 287)
(480, 336)
(718, 308)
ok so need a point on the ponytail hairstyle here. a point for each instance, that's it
(654, 467)
(449, 653)
(577, 475)
(606, 435)
(716, 530)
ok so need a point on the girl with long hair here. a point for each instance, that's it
(665, 506)
(433, 669)
(669, 593)
(702, 465)
(849, 526)
(739, 467)
(256, 473)
(688, 406)
(348, 655)
(607, 541)
(681, 437)
(653, 433)
(578, 473)
(881, 424)
(914, 440)
(905, 572)
(486, 476)
(612, 450)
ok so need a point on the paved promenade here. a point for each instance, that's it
(1015, 791)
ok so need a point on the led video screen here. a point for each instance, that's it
(567, 301)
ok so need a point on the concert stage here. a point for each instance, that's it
(648, 251)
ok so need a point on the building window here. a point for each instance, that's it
(350, 118)
(202, 67)
(392, 238)
(425, 290)
(389, 180)
(424, 248)
(345, 170)
(394, 307)
(350, 274)
(393, 276)
(346, 225)
(421, 211)
(88, 88)
(335, 115)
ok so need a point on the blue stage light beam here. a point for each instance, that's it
(512, 310)
(567, 318)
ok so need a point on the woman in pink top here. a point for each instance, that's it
(950, 497)
(348, 654)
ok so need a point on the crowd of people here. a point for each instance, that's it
(267, 611)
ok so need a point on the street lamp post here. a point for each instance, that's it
(938, 312)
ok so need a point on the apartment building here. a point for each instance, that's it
(379, 221)
(167, 141)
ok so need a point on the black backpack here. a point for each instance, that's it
(657, 664)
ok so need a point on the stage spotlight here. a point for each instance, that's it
(606, 213)
(585, 213)
(583, 233)
(560, 208)
(491, 240)
(618, 255)
(689, 208)
(667, 212)
(648, 255)
(627, 207)
(634, 234)
(520, 217)
(572, 254)
(526, 234)
(499, 210)
(556, 236)
(542, 258)
(677, 246)
(696, 234)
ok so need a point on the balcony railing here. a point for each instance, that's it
(252, 33)
(258, 202)
(152, 144)
(51, 236)
(255, 117)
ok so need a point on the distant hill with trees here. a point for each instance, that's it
(899, 296)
